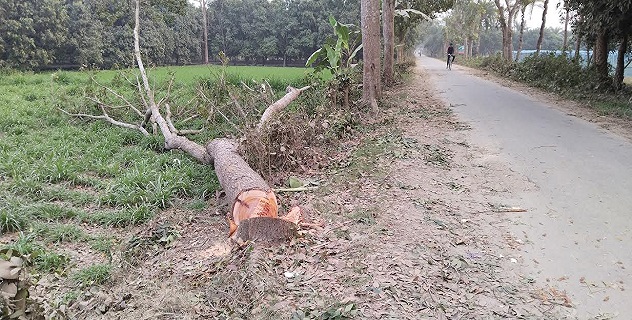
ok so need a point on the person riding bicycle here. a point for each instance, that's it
(450, 55)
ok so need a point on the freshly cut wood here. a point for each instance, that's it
(264, 229)
(252, 204)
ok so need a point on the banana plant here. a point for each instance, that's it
(337, 55)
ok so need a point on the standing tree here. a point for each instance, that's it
(30, 33)
(566, 20)
(388, 30)
(506, 16)
(603, 21)
(204, 30)
(525, 4)
(538, 46)
(370, 22)
(411, 13)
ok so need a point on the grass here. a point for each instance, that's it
(97, 274)
(61, 177)
(190, 74)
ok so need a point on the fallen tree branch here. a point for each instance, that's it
(107, 118)
(291, 95)
(116, 94)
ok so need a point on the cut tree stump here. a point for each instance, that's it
(254, 214)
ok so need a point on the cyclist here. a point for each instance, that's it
(450, 55)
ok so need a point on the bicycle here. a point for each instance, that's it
(449, 67)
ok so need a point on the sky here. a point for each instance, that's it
(535, 20)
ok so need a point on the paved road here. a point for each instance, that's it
(579, 224)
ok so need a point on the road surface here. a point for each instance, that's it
(577, 230)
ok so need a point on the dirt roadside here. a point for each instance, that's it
(416, 227)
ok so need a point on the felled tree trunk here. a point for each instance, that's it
(254, 209)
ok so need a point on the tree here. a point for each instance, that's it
(409, 14)
(463, 25)
(187, 31)
(370, 22)
(388, 30)
(566, 20)
(84, 45)
(506, 16)
(204, 30)
(542, 26)
(31, 32)
(599, 22)
(525, 4)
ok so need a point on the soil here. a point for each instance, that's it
(415, 225)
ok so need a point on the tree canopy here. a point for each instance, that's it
(36, 34)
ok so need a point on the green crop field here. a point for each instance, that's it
(79, 181)
(189, 74)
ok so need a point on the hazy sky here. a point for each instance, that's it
(534, 20)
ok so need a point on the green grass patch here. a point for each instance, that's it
(97, 274)
(190, 74)
(57, 233)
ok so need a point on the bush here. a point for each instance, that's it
(554, 72)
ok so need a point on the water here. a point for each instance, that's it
(612, 57)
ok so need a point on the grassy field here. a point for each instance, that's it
(81, 183)
(190, 74)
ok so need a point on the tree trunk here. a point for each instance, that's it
(601, 54)
(388, 29)
(524, 8)
(566, 19)
(506, 25)
(619, 71)
(538, 46)
(371, 84)
(205, 30)
(578, 44)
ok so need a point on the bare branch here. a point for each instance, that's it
(190, 131)
(291, 95)
(190, 118)
(168, 92)
(172, 128)
(146, 119)
(116, 94)
(107, 118)
(238, 106)
(172, 140)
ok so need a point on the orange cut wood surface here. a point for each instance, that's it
(253, 203)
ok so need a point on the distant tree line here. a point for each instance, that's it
(39, 34)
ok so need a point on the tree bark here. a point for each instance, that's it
(601, 54)
(371, 83)
(619, 71)
(538, 46)
(566, 19)
(524, 8)
(388, 29)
